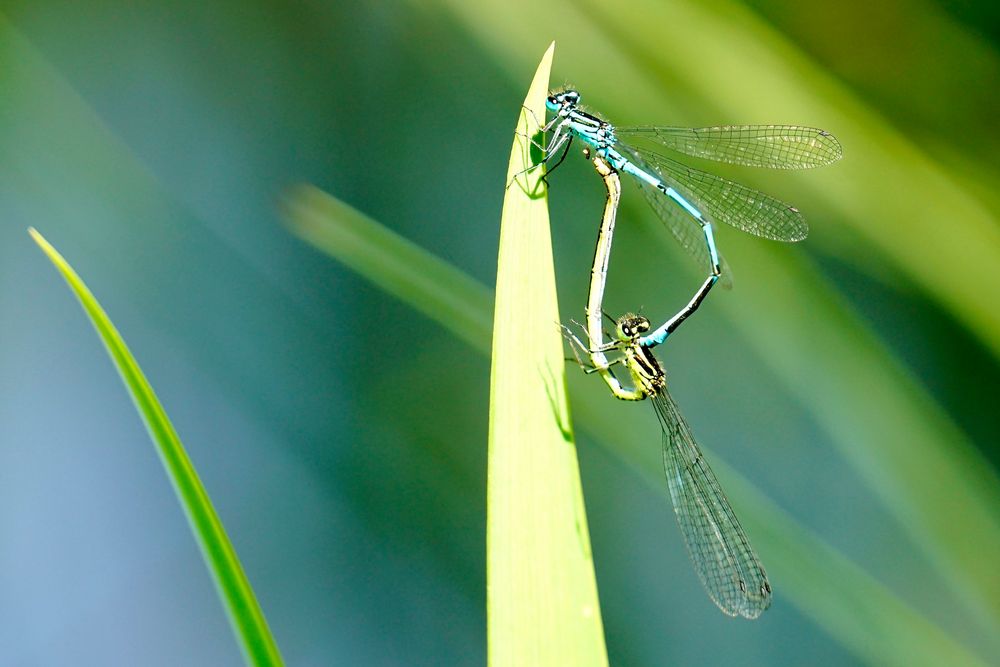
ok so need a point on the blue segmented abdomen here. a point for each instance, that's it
(673, 194)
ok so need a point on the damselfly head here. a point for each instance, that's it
(630, 326)
(562, 99)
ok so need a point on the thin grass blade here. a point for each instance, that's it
(245, 614)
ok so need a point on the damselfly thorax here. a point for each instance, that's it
(645, 369)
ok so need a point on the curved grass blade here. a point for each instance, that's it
(770, 146)
(245, 615)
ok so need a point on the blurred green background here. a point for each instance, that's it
(852, 379)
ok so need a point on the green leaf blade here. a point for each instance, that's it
(245, 614)
(398, 266)
(542, 605)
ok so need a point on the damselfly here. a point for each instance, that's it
(686, 199)
(719, 547)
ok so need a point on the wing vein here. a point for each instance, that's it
(723, 200)
(769, 146)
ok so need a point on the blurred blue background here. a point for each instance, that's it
(341, 435)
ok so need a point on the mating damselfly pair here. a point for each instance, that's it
(688, 201)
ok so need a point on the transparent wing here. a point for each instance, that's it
(722, 200)
(722, 555)
(772, 146)
(688, 233)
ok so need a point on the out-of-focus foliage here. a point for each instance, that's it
(851, 378)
